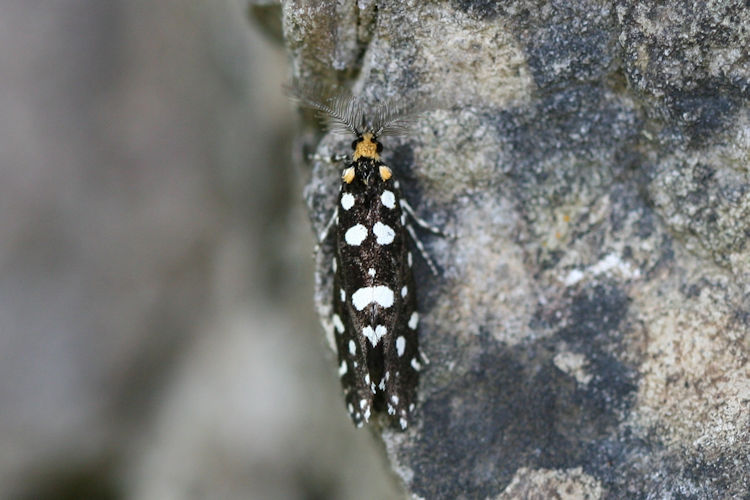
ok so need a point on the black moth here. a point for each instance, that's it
(375, 314)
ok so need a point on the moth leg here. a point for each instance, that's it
(328, 159)
(422, 251)
(421, 222)
(325, 233)
(424, 358)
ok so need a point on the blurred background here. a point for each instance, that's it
(157, 332)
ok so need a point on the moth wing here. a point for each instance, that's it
(352, 360)
(402, 359)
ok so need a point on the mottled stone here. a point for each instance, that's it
(589, 328)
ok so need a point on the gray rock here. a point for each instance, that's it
(589, 329)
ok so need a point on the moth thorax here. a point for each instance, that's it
(367, 147)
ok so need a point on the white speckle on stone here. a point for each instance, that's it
(573, 364)
(342, 369)
(400, 346)
(613, 263)
(388, 199)
(355, 235)
(347, 201)
(338, 324)
(610, 264)
(414, 320)
(573, 277)
(384, 234)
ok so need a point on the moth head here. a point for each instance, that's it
(366, 146)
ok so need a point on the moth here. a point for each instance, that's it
(375, 316)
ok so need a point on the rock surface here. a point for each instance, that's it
(589, 329)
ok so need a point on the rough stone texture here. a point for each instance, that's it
(589, 331)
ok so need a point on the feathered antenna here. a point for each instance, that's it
(390, 118)
(343, 112)
(337, 108)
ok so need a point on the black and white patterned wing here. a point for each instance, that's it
(401, 349)
(351, 357)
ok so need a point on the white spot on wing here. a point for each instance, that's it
(362, 404)
(342, 369)
(388, 199)
(371, 272)
(355, 235)
(402, 422)
(380, 331)
(408, 259)
(368, 294)
(362, 297)
(413, 320)
(352, 348)
(400, 346)
(404, 291)
(383, 233)
(415, 364)
(334, 265)
(338, 324)
(394, 398)
(343, 295)
(375, 335)
(347, 201)
(369, 334)
(383, 296)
